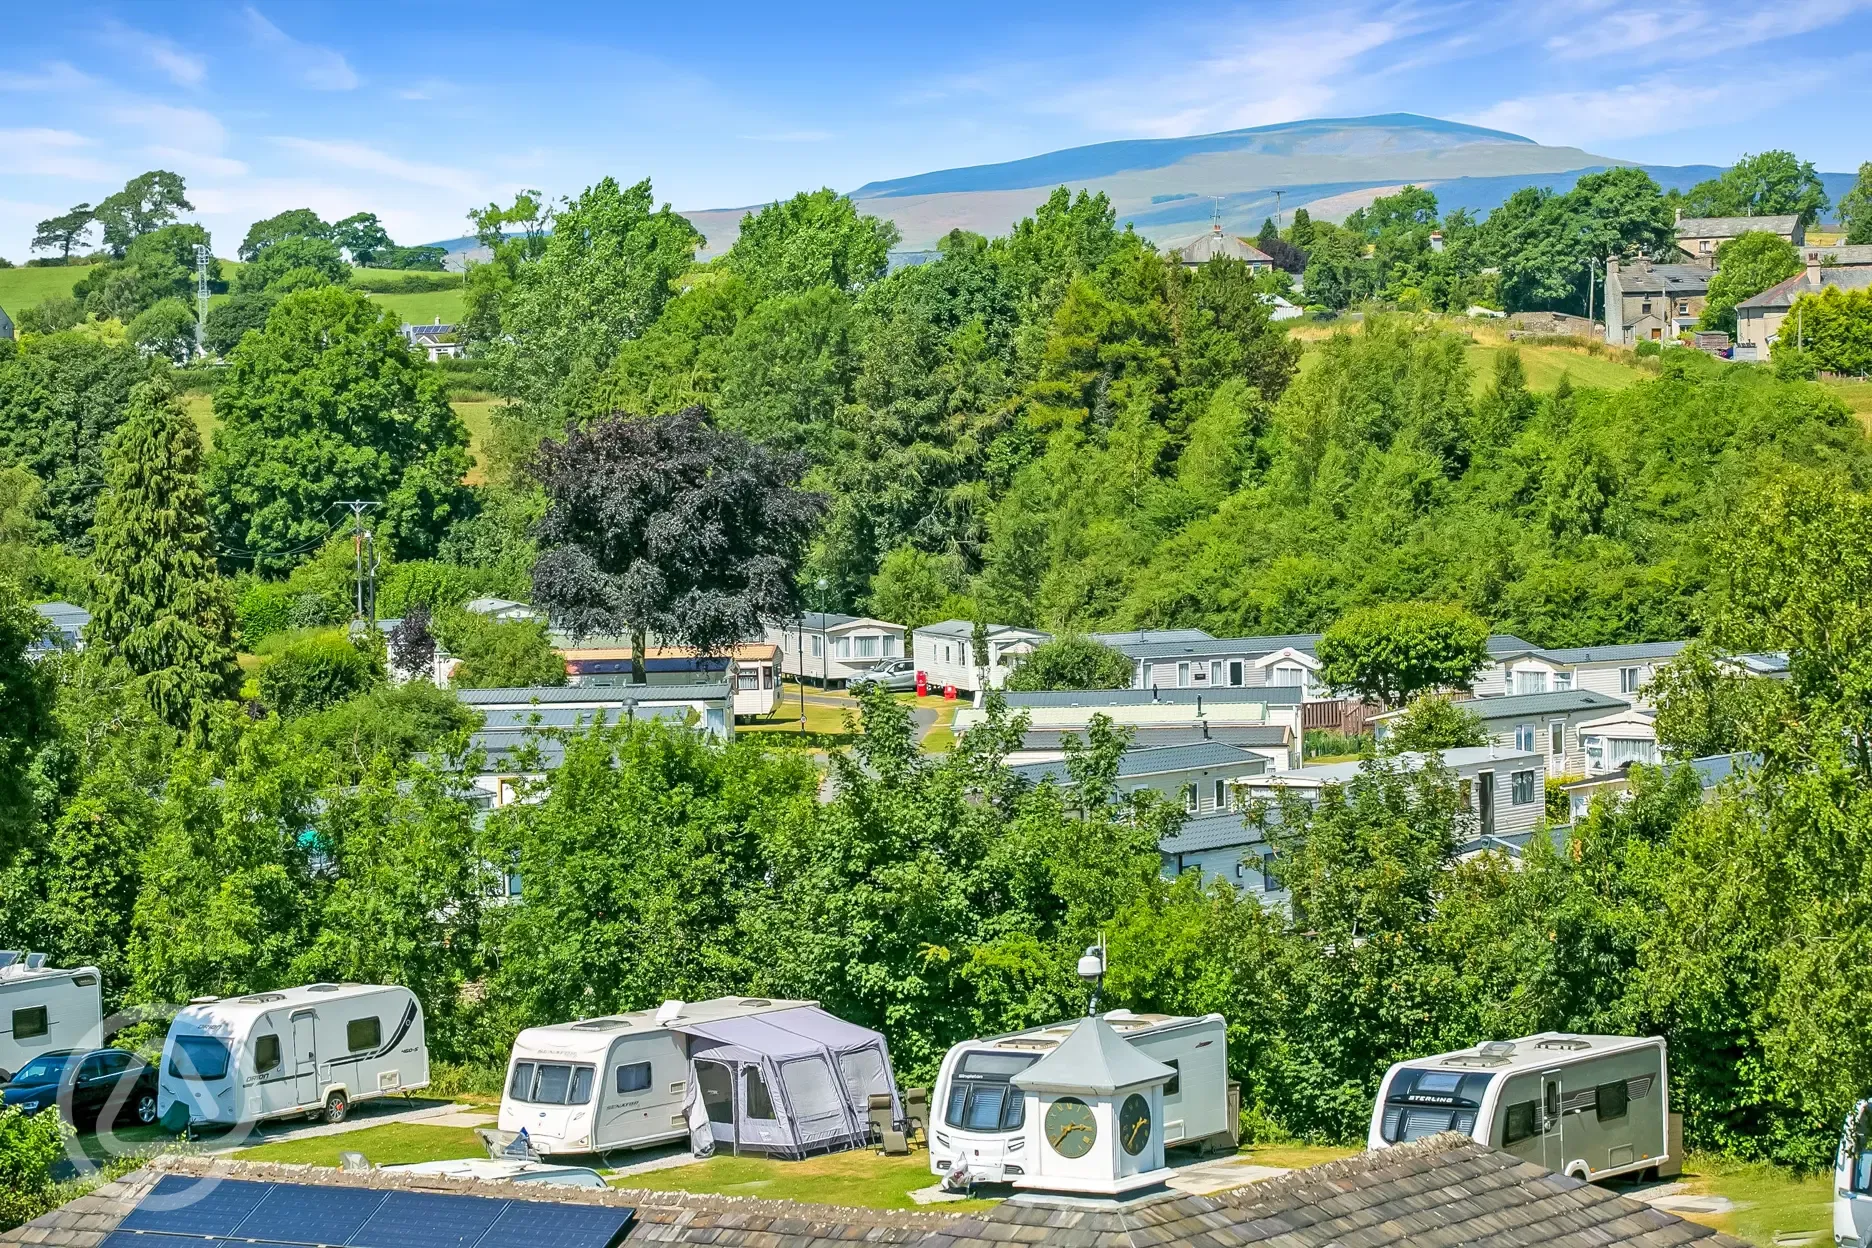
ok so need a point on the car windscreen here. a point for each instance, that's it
(48, 1068)
(199, 1057)
(1424, 1102)
(981, 1098)
(551, 1083)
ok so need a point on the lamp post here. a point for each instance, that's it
(1092, 971)
(825, 675)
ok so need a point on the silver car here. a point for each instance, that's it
(898, 676)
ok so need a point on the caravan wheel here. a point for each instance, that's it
(336, 1107)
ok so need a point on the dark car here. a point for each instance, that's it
(898, 676)
(86, 1085)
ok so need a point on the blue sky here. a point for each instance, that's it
(420, 111)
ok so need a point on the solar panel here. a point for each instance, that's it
(539, 1224)
(180, 1205)
(428, 1220)
(299, 1214)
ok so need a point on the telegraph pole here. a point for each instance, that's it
(366, 568)
(201, 300)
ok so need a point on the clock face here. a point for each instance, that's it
(1134, 1124)
(1071, 1127)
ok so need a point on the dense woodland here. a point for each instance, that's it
(1058, 427)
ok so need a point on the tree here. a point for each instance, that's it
(167, 330)
(285, 261)
(600, 279)
(1391, 652)
(293, 223)
(501, 654)
(412, 646)
(147, 202)
(1300, 233)
(669, 525)
(327, 403)
(420, 259)
(1746, 265)
(817, 238)
(1072, 662)
(60, 402)
(158, 265)
(160, 605)
(1855, 208)
(1831, 330)
(231, 320)
(1433, 724)
(361, 235)
(1706, 706)
(314, 674)
(1550, 247)
(1773, 183)
(913, 587)
(64, 232)
(1267, 235)
(26, 701)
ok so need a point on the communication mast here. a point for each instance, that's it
(201, 299)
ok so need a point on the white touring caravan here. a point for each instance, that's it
(312, 1050)
(778, 1077)
(1852, 1180)
(977, 1116)
(1587, 1106)
(43, 1010)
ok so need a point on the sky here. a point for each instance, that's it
(420, 111)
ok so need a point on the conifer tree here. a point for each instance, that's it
(161, 606)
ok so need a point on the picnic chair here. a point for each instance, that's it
(892, 1142)
(916, 1113)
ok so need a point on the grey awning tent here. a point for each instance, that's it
(788, 1083)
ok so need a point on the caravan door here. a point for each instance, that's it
(1553, 1146)
(305, 1058)
(1852, 1180)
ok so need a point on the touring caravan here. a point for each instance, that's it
(977, 1114)
(318, 1049)
(748, 1073)
(44, 1010)
(1587, 1106)
(1852, 1180)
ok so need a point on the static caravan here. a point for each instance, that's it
(317, 1049)
(746, 1073)
(978, 1115)
(1587, 1106)
(43, 1009)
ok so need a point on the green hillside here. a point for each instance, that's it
(22, 287)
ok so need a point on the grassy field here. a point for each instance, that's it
(1769, 1201)
(476, 414)
(861, 1178)
(22, 287)
(443, 306)
(393, 1144)
(1544, 365)
(1856, 395)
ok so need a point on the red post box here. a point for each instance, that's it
(922, 684)
(949, 692)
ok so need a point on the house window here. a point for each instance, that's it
(1703, 244)
(1189, 798)
(362, 1034)
(1562, 681)
(867, 647)
(890, 648)
(816, 642)
(1268, 882)
(1221, 795)
(1521, 788)
(1524, 738)
(1626, 750)
(766, 676)
(747, 679)
(842, 648)
(1235, 672)
(1530, 682)
(1183, 675)
(1595, 753)
(1645, 307)
(1215, 671)
(1628, 679)
(1287, 676)
(1150, 675)
(1683, 306)
(1556, 737)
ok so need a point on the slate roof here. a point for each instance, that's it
(608, 696)
(1215, 244)
(1251, 647)
(1218, 829)
(1783, 293)
(1729, 227)
(1151, 636)
(1615, 654)
(1521, 705)
(966, 629)
(1436, 1193)
(1217, 696)
(1665, 279)
(1153, 736)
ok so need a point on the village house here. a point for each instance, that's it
(752, 668)
(1549, 724)
(1699, 237)
(831, 649)
(1761, 318)
(1199, 779)
(1621, 671)
(1646, 302)
(438, 341)
(1214, 245)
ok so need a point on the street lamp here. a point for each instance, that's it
(825, 676)
(1092, 971)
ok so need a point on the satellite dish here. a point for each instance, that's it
(669, 1012)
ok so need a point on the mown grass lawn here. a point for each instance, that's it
(1770, 1200)
(392, 1144)
(861, 1177)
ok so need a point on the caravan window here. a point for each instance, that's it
(754, 1093)
(634, 1077)
(1611, 1099)
(1520, 1124)
(551, 1083)
(981, 1098)
(30, 1022)
(199, 1057)
(1175, 1084)
(1424, 1102)
(363, 1033)
(266, 1054)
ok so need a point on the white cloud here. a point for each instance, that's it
(322, 69)
(428, 89)
(190, 163)
(182, 67)
(1688, 30)
(53, 76)
(189, 129)
(49, 153)
(1574, 118)
(367, 159)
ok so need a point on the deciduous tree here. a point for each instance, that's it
(64, 232)
(1746, 265)
(1394, 651)
(147, 202)
(1768, 184)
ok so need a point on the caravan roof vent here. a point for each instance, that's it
(669, 1012)
(602, 1024)
(8, 957)
(35, 960)
(1567, 1043)
(322, 987)
(203, 1000)
(755, 1001)
(259, 998)
(1476, 1060)
(1496, 1048)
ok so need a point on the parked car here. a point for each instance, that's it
(85, 1084)
(898, 676)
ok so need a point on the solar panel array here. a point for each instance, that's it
(236, 1213)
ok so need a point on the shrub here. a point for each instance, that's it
(265, 608)
(30, 1146)
(1648, 348)
(315, 673)
(500, 655)
(403, 281)
(1072, 663)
